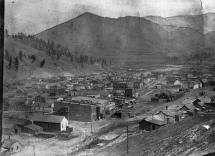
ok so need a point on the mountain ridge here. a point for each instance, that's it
(129, 38)
(146, 17)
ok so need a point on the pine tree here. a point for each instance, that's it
(7, 56)
(20, 55)
(16, 64)
(33, 58)
(42, 63)
(10, 63)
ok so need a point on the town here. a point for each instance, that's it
(67, 110)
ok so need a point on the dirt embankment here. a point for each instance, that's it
(184, 138)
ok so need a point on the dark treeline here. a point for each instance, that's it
(57, 50)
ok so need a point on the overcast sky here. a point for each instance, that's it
(33, 16)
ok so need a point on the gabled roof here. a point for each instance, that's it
(33, 127)
(88, 99)
(46, 118)
(155, 121)
(168, 113)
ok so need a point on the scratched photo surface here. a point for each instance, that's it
(109, 78)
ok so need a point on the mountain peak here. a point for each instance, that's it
(87, 14)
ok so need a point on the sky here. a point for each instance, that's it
(34, 16)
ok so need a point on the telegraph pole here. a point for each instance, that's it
(34, 150)
(127, 137)
(91, 127)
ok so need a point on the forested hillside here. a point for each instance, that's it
(26, 56)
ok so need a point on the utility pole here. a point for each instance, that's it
(127, 137)
(34, 150)
(91, 127)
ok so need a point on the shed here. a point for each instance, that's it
(32, 129)
(150, 124)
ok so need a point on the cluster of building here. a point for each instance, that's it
(49, 104)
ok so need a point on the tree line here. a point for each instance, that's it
(57, 50)
(14, 62)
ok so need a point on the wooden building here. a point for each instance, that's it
(78, 111)
(32, 129)
(151, 124)
(49, 122)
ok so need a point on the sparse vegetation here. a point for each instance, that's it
(56, 50)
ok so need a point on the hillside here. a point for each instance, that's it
(188, 137)
(124, 39)
(28, 68)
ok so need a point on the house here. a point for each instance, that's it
(150, 124)
(175, 88)
(195, 84)
(11, 146)
(168, 116)
(39, 99)
(178, 83)
(186, 110)
(49, 122)
(197, 103)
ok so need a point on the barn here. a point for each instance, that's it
(50, 123)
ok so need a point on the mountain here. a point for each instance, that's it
(128, 39)
(28, 68)
(204, 23)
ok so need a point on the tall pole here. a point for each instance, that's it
(91, 126)
(127, 137)
(34, 150)
(1, 64)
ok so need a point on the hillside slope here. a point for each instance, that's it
(27, 68)
(188, 137)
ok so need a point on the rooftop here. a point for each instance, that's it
(157, 122)
(46, 118)
(89, 99)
